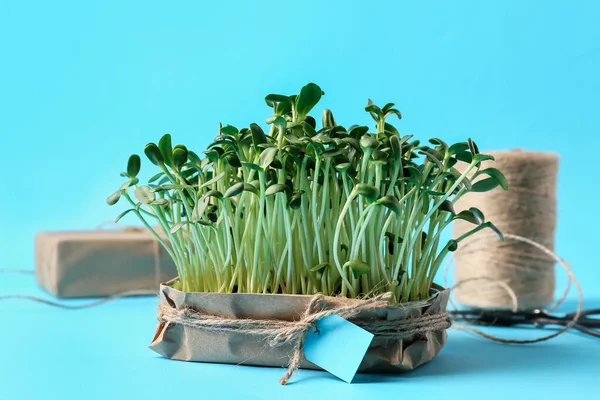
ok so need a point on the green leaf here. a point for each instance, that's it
(294, 140)
(447, 206)
(267, 156)
(276, 188)
(343, 167)
(393, 111)
(280, 123)
(248, 187)
(473, 147)
(310, 121)
(180, 156)
(396, 147)
(390, 130)
(484, 185)
(213, 180)
(374, 110)
(309, 96)
(283, 108)
(344, 248)
(387, 107)
(155, 177)
(273, 99)
(177, 227)
(433, 156)
(129, 183)
(467, 215)
(327, 118)
(294, 150)
(358, 267)
(439, 142)
(199, 209)
(479, 158)
(114, 198)
(496, 175)
(319, 267)
(308, 129)
(390, 202)
(172, 187)
(194, 159)
(369, 142)
(212, 155)
(133, 165)
(452, 245)
(213, 193)
(467, 183)
(414, 173)
(458, 148)
(144, 194)
(233, 160)
(124, 213)
(357, 132)
(494, 228)
(406, 139)
(370, 192)
(380, 156)
(229, 130)
(477, 212)
(296, 200)
(464, 156)
(163, 180)
(234, 190)
(258, 135)
(160, 202)
(352, 142)
(153, 153)
(166, 150)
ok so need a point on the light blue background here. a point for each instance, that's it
(84, 84)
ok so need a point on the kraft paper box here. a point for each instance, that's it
(188, 343)
(100, 262)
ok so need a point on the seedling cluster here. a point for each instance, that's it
(306, 209)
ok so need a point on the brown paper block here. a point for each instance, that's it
(100, 263)
(191, 344)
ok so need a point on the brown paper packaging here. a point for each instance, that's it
(191, 344)
(100, 262)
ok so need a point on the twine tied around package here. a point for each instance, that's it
(281, 331)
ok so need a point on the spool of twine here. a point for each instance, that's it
(527, 209)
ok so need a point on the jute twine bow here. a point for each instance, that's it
(280, 331)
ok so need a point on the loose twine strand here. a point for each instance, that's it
(571, 279)
(279, 331)
(79, 306)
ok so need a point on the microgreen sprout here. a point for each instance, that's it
(303, 210)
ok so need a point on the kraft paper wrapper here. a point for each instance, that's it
(190, 344)
(100, 263)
